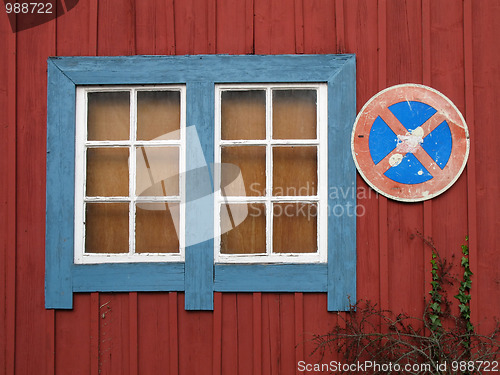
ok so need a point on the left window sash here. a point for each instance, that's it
(129, 174)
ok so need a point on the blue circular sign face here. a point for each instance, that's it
(410, 142)
(412, 115)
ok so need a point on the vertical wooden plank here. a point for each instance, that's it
(195, 337)
(94, 317)
(229, 335)
(174, 332)
(471, 166)
(486, 154)
(262, 40)
(288, 363)
(271, 338)
(217, 336)
(317, 322)
(299, 26)
(257, 333)
(245, 333)
(153, 333)
(319, 26)
(133, 344)
(339, 24)
(155, 27)
(8, 201)
(79, 21)
(73, 333)
(404, 41)
(146, 27)
(50, 342)
(234, 27)
(114, 329)
(211, 15)
(93, 7)
(299, 329)
(274, 27)
(194, 27)
(33, 47)
(116, 28)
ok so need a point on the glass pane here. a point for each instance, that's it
(243, 114)
(106, 228)
(251, 160)
(295, 228)
(243, 228)
(107, 172)
(295, 171)
(294, 114)
(156, 228)
(158, 115)
(108, 116)
(157, 171)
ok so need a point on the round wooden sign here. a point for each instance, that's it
(410, 143)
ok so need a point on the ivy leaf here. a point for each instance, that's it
(470, 327)
(435, 285)
(464, 298)
(464, 308)
(435, 306)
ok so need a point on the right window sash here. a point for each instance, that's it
(271, 196)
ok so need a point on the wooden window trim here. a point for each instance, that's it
(197, 276)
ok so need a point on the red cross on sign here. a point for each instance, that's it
(410, 143)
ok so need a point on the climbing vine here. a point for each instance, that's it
(436, 297)
(443, 335)
(464, 296)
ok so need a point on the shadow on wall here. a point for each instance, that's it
(25, 15)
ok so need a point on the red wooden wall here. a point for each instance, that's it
(447, 44)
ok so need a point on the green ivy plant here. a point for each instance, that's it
(443, 335)
(464, 296)
(436, 297)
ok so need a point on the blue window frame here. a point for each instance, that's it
(198, 276)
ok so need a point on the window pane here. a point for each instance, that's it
(108, 116)
(252, 162)
(243, 114)
(106, 228)
(248, 237)
(158, 115)
(107, 171)
(157, 171)
(156, 228)
(295, 171)
(295, 228)
(294, 114)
